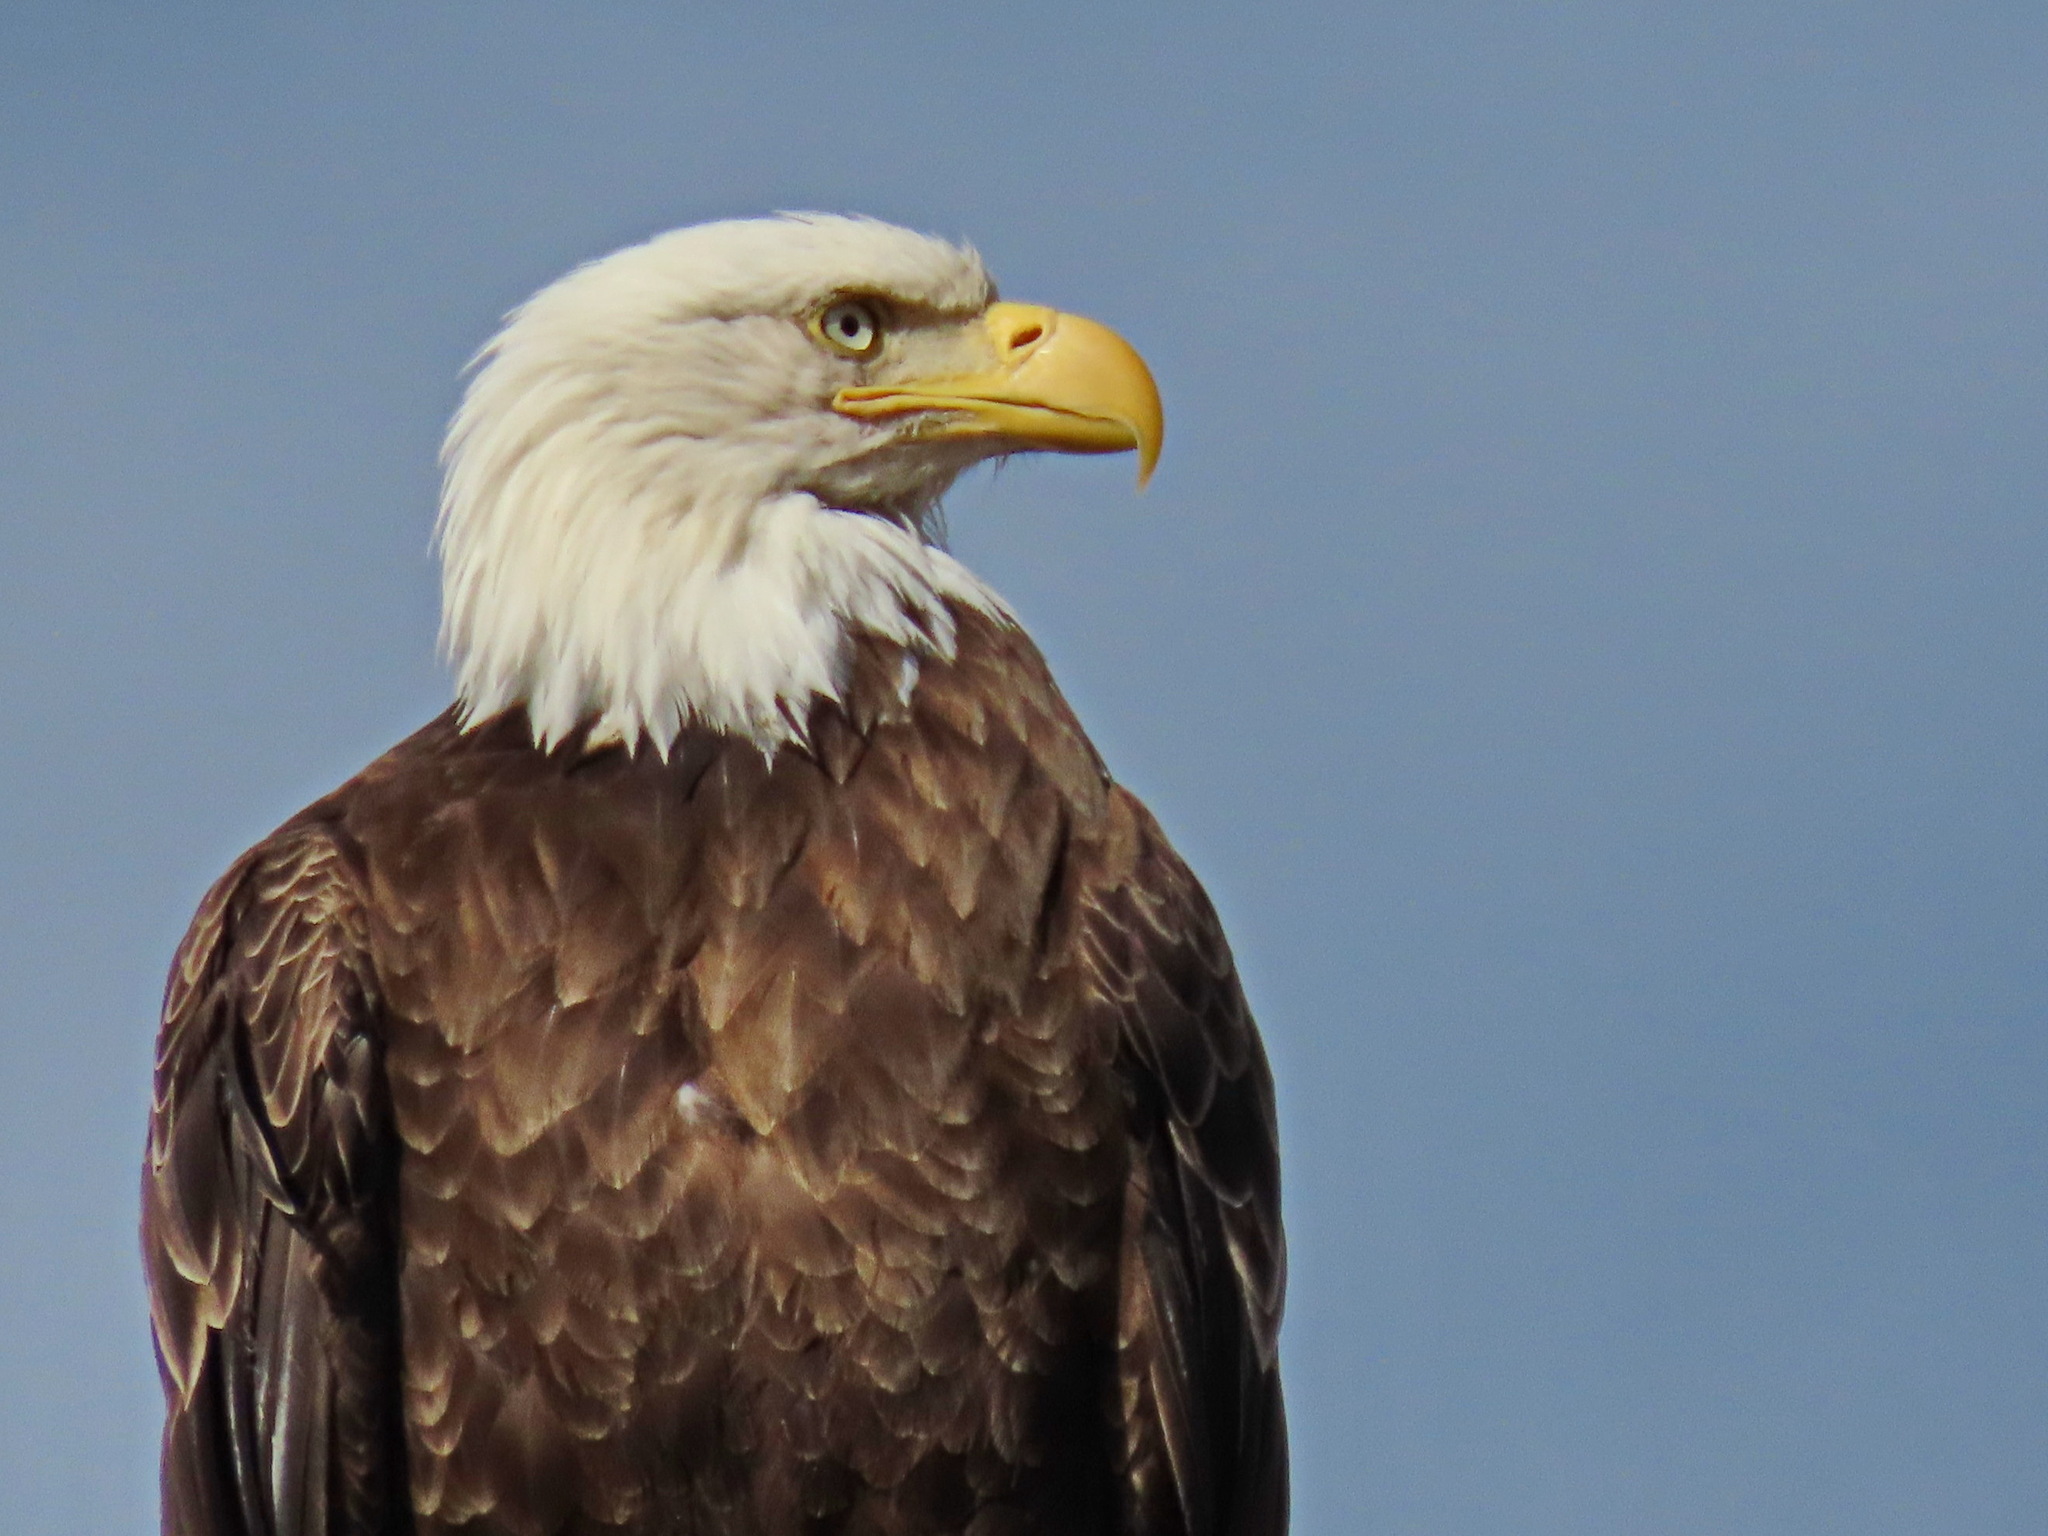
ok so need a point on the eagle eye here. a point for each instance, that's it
(850, 327)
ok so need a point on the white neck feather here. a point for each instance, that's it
(734, 618)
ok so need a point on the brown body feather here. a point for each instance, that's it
(872, 1139)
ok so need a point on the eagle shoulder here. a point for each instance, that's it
(1204, 1264)
(265, 1206)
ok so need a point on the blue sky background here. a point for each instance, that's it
(1587, 630)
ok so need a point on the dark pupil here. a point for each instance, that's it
(849, 327)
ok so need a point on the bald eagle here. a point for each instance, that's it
(746, 1068)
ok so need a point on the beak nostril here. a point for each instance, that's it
(1025, 337)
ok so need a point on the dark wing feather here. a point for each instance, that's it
(1204, 1259)
(268, 1204)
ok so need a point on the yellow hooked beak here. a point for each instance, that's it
(1056, 382)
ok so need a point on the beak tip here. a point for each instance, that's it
(1148, 446)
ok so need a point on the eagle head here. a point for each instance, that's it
(685, 477)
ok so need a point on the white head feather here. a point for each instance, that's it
(634, 527)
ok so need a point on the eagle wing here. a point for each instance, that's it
(268, 1195)
(1204, 1263)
